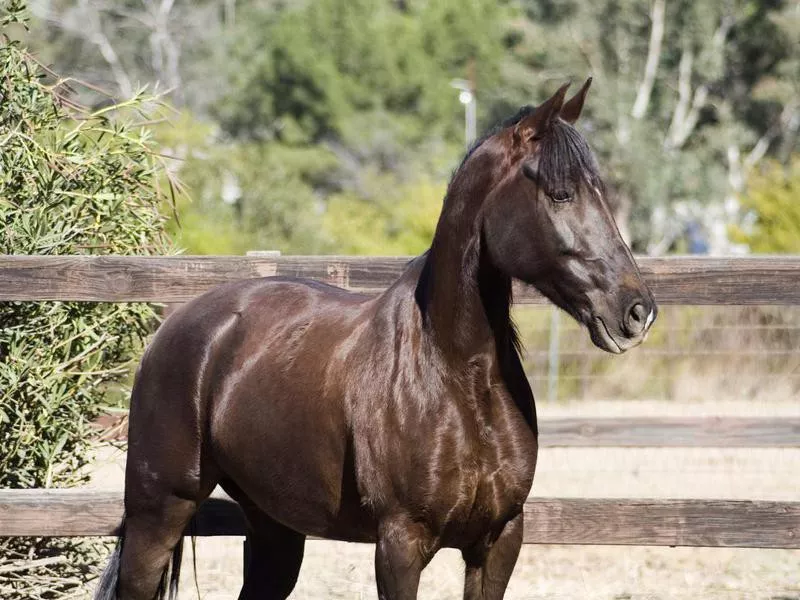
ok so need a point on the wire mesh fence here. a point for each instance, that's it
(692, 353)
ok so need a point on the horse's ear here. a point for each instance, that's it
(572, 108)
(537, 123)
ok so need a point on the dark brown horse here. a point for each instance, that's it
(404, 419)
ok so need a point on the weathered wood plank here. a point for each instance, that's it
(674, 280)
(630, 432)
(705, 523)
(712, 523)
(80, 512)
(672, 432)
(723, 280)
(67, 513)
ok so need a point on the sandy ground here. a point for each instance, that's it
(344, 571)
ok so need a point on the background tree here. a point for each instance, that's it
(687, 89)
(688, 98)
(321, 76)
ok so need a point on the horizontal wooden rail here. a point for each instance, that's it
(710, 523)
(674, 280)
(627, 432)
(704, 523)
(672, 432)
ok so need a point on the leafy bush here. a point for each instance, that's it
(249, 196)
(72, 181)
(772, 204)
(401, 221)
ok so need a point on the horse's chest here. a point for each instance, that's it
(461, 460)
(486, 485)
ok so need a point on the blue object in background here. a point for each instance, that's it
(696, 236)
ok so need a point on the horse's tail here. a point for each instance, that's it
(107, 585)
(167, 588)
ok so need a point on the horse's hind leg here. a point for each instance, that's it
(275, 553)
(162, 493)
(167, 477)
(151, 534)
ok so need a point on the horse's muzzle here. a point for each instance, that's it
(631, 331)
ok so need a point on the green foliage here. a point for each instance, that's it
(773, 197)
(72, 181)
(401, 223)
(322, 115)
(309, 73)
(362, 87)
(246, 195)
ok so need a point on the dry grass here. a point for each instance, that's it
(344, 571)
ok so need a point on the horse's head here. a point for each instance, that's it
(547, 222)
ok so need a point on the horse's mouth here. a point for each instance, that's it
(601, 336)
(603, 339)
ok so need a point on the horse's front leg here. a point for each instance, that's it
(488, 569)
(404, 548)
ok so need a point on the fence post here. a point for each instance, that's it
(245, 557)
(552, 370)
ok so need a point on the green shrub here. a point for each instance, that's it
(402, 221)
(772, 201)
(72, 181)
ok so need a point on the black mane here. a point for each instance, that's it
(505, 123)
(566, 157)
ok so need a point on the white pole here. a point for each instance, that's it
(470, 113)
(467, 97)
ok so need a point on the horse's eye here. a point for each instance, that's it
(561, 196)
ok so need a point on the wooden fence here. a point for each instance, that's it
(683, 280)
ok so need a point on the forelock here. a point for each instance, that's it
(565, 159)
(565, 156)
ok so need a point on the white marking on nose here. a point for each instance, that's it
(650, 319)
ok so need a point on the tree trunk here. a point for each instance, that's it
(653, 58)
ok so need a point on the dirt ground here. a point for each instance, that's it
(344, 571)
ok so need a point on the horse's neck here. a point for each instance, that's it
(469, 316)
(465, 301)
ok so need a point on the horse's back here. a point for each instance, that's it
(244, 319)
(248, 308)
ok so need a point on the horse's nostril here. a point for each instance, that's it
(639, 312)
(637, 318)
